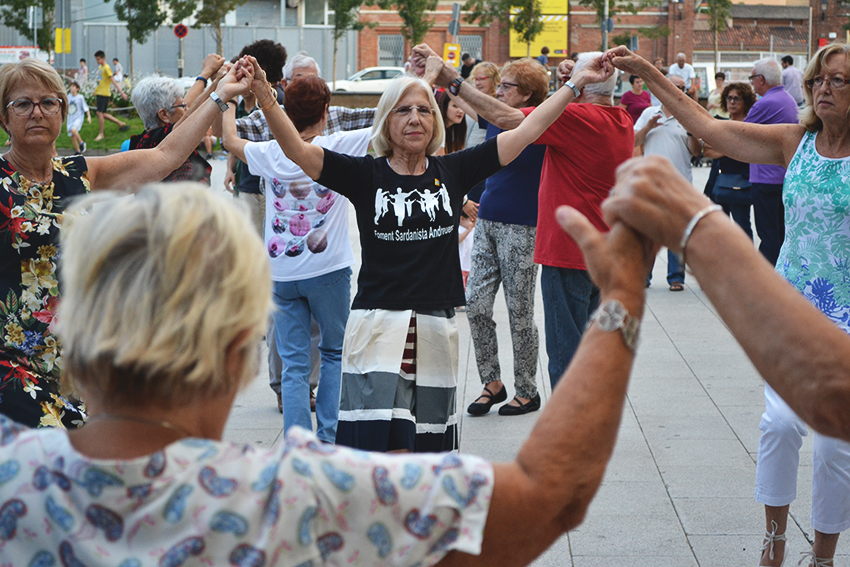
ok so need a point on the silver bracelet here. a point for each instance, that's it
(576, 90)
(690, 228)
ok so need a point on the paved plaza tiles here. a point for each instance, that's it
(679, 489)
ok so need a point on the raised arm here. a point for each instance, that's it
(546, 491)
(137, 167)
(751, 143)
(803, 355)
(512, 142)
(310, 158)
(209, 68)
(229, 138)
(493, 110)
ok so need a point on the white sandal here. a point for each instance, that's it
(771, 537)
(815, 561)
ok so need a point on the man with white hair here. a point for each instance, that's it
(686, 71)
(584, 147)
(775, 106)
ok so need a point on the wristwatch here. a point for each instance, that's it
(221, 104)
(454, 88)
(611, 316)
(576, 90)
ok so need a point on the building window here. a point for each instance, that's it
(470, 44)
(391, 50)
(316, 13)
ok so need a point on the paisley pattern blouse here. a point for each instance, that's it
(30, 354)
(815, 256)
(199, 503)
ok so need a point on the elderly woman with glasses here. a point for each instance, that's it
(400, 354)
(813, 258)
(36, 187)
(160, 104)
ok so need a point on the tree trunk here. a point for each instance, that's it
(132, 73)
(217, 35)
(716, 52)
(334, 75)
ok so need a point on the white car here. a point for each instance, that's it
(369, 80)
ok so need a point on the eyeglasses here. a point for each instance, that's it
(505, 86)
(173, 106)
(484, 78)
(733, 99)
(834, 82)
(752, 78)
(423, 111)
(24, 107)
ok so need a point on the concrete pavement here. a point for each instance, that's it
(679, 489)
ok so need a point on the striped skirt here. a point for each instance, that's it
(399, 381)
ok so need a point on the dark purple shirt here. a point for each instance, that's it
(775, 107)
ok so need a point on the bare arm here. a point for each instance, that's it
(234, 144)
(310, 158)
(640, 134)
(512, 142)
(546, 491)
(493, 110)
(694, 146)
(803, 355)
(209, 68)
(751, 143)
(136, 167)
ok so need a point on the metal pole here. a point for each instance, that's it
(605, 26)
(809, 53)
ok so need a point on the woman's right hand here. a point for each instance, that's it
(237, 81)
(627, 61)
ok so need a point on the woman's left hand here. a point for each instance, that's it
(595, 71)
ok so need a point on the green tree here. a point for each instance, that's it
(521, 16)
(412, 13)
(346, 17)
(718, 13)
(13, 13)
(142, 17)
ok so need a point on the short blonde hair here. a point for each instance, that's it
(808, 118)
(30, 70)
(397, 89)
(157, 287)
(489, 69)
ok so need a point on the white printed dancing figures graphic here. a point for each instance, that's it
(402, 203)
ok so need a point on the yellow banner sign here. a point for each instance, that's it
(451, 53)
(553, 36)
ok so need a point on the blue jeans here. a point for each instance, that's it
(569, 297)
(328, 299)
(675, 273)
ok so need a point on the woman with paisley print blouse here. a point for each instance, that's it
(814, 259)
(35, 189)
(165, 297)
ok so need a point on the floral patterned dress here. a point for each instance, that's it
(30, 359)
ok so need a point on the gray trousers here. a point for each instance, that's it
(504, 254)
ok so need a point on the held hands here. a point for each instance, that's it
(212, 63)
(238, 80)
(596, 70)
(565, 70)
(618, 261)
(418, 57)
(621, 58)
(439, 72)
(653, 198)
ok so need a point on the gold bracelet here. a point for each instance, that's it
(273, 102)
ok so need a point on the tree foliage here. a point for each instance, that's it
(211, 13)
(142, 17)
(346, 18)
(412, 13)
(13, 14)
(718, 13)
(521, 16)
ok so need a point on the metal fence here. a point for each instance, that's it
(391, 50)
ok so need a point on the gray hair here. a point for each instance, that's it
(770, 69)
(398, 87)
(300, 59)
(681, 54)
(606, 87)
(153, 94)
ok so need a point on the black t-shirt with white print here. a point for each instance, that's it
(408, 225)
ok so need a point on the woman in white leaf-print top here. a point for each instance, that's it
(815, 258)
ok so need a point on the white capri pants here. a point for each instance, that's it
(778, 460)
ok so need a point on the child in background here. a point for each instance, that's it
(77, 107)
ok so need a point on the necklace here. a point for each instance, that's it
(22, 172)
(158, 423)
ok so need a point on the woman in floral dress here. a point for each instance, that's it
(35, 187)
